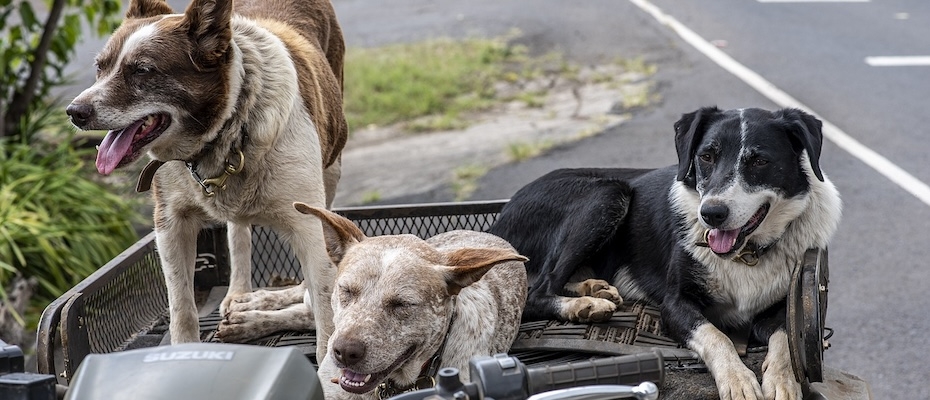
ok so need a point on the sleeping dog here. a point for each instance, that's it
(404, 306)
(713, 239)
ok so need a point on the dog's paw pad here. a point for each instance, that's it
(589, 309)
(597, 288)
(609, 293)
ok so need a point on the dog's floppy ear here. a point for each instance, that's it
(688, 134)
(147, 8)
(807, 133)
(467, 266)
(340, 233)
(208, 27)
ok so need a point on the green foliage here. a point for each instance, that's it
(34, 50)
(520, 151)
(55, 224)
(465, 180)
(440, 78)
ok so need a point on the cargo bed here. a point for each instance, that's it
(124, 306)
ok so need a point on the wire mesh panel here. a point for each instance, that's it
(272, 259)
(125, 306)
(274, 263)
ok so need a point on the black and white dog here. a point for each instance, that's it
(713, 240)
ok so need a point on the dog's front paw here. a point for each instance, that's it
(738, 384)
(588, 309)
(604, 290)
(242, 326)
(234, 303)
(262, 300)
(596, 288)
(778, 381)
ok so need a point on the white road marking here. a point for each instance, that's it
(833, 133)
(898, 61)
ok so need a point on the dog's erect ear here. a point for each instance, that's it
(147, 8)
(340, 233)
(807, 133)
(466, 266)
(208, 27)
(688, 133)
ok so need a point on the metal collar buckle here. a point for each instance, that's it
(219, 182)
(749, 256)
(388, 389)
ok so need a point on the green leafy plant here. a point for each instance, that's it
(55, 224)
(34, 52)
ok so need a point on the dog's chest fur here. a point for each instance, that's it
(739, 292)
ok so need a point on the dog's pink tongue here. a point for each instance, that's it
(722, 241)
(114, 147)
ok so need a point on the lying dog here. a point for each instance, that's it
(713, 240)
(244, 111)
(404, 306)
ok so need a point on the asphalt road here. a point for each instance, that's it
(814, 52)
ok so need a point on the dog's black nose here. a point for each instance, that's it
(715, 214)
(80, 113)
(348, 352)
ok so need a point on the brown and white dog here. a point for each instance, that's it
(243, 107)
(404, 306)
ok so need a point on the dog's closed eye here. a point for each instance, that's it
(347, 294)
(397, 302)
(400, 307)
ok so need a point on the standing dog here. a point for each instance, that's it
(404, 306)
(713, 240)
(244, 111)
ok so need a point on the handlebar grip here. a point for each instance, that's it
(620, 370)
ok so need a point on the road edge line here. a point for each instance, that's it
(876, 161)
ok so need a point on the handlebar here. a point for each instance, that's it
(502, 377)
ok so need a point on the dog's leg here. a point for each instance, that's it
(331, 177)
(734, 380)
(545, 301)
(778, 380)
(269, 300)
(176, 239)
(595, 288)
(574, 237)
(306, 239)
(246, 325)
(239, 236)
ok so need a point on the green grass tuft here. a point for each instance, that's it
(404, 82)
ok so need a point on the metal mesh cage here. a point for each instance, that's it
(124, 305)
(272, 257)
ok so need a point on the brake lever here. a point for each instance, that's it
(643, 391)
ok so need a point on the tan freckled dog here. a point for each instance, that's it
(402, 305)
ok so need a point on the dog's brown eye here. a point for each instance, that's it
(707, 158)
(759, 162)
